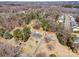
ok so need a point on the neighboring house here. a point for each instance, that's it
(68, 20)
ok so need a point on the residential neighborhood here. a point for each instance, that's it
(39, 29)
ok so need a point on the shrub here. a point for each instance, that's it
(8, 50)
(18, 34)
(71, 40)
(26, 33)
(2, 31)
(7, 35)
(33, 15)
(74, 50)
(45, 25)
(70, 43)
(22, 35)
(61, 39)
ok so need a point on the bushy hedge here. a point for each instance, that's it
(22, 34)
(26, 33)
(45, 25)
(18, 34)
(70, 43)
(60, 38)
(71, 40)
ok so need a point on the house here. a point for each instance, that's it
(68, 21)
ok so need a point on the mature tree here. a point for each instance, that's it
(8, 50)
(26, 33)
(18, 34)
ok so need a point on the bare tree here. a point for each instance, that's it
(8, 50)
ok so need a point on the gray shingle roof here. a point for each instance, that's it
(36, 34)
